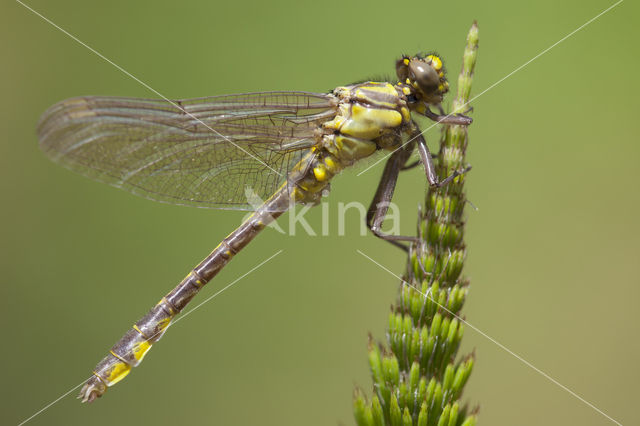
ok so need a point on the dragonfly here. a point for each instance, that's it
(284, 146)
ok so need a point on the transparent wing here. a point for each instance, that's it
(206, 152)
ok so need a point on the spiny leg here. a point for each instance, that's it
(381, 200)
(397, 162)
(426, 157)
(427, 161)
(452, 119)
(417, 162)
(429, 167)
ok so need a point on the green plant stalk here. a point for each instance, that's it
(417, 378)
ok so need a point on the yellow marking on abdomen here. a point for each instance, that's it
(135, 327)
(140, 350)
(118, 372)
(165, 303)
(320, 172)
(331, 165)
(163, 324)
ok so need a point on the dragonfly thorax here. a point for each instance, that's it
(369, 117)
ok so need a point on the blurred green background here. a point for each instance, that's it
(553, 248)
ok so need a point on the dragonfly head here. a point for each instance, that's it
(425, 75)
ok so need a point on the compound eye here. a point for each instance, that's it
(424, 75)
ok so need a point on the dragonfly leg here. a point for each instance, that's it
(381, 200)
(417, 162)
(448, 118)
(429, 167)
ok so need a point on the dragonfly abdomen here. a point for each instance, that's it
(129, 351)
